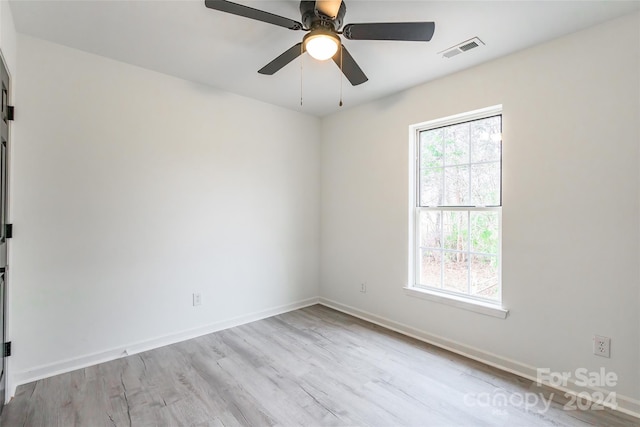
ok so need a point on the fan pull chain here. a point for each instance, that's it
(341, 74)
(301, 70)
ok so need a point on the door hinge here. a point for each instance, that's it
(8, 231)
(10, 112)
(7, 349)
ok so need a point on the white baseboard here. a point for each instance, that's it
(625, 404)
(68, 365)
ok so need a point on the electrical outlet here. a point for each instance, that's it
(601, 346)
(363, 288)
(197, 299)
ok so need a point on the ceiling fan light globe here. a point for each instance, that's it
(322, 46)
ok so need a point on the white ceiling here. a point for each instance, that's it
(185, 39)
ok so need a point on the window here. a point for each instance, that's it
(456, 206)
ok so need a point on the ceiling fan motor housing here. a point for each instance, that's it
(313, 19)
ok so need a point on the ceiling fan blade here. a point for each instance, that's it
(329, 7)
(249, 12)
(350, 67)
(287, 56)
(404, 31)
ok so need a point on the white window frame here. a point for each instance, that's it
(468, 302)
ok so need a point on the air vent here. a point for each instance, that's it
(462, 47)
(468, 46)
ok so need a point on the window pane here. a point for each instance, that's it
(486, 141)
(456, 272)
(458, 235)
(484, 232)
(430, 268)
(485, 184)
(430, 229)
(456, 144)
(431, 148)
(431, 187)
(484, 277)
(456, 186)
(455, 230)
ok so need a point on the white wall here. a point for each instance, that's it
(132, 190)
(7, 36)
(571, 205)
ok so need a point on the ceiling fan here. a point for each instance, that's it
(323, 21)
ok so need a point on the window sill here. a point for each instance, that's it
(460, 302)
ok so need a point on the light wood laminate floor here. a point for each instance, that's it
(310, 367)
